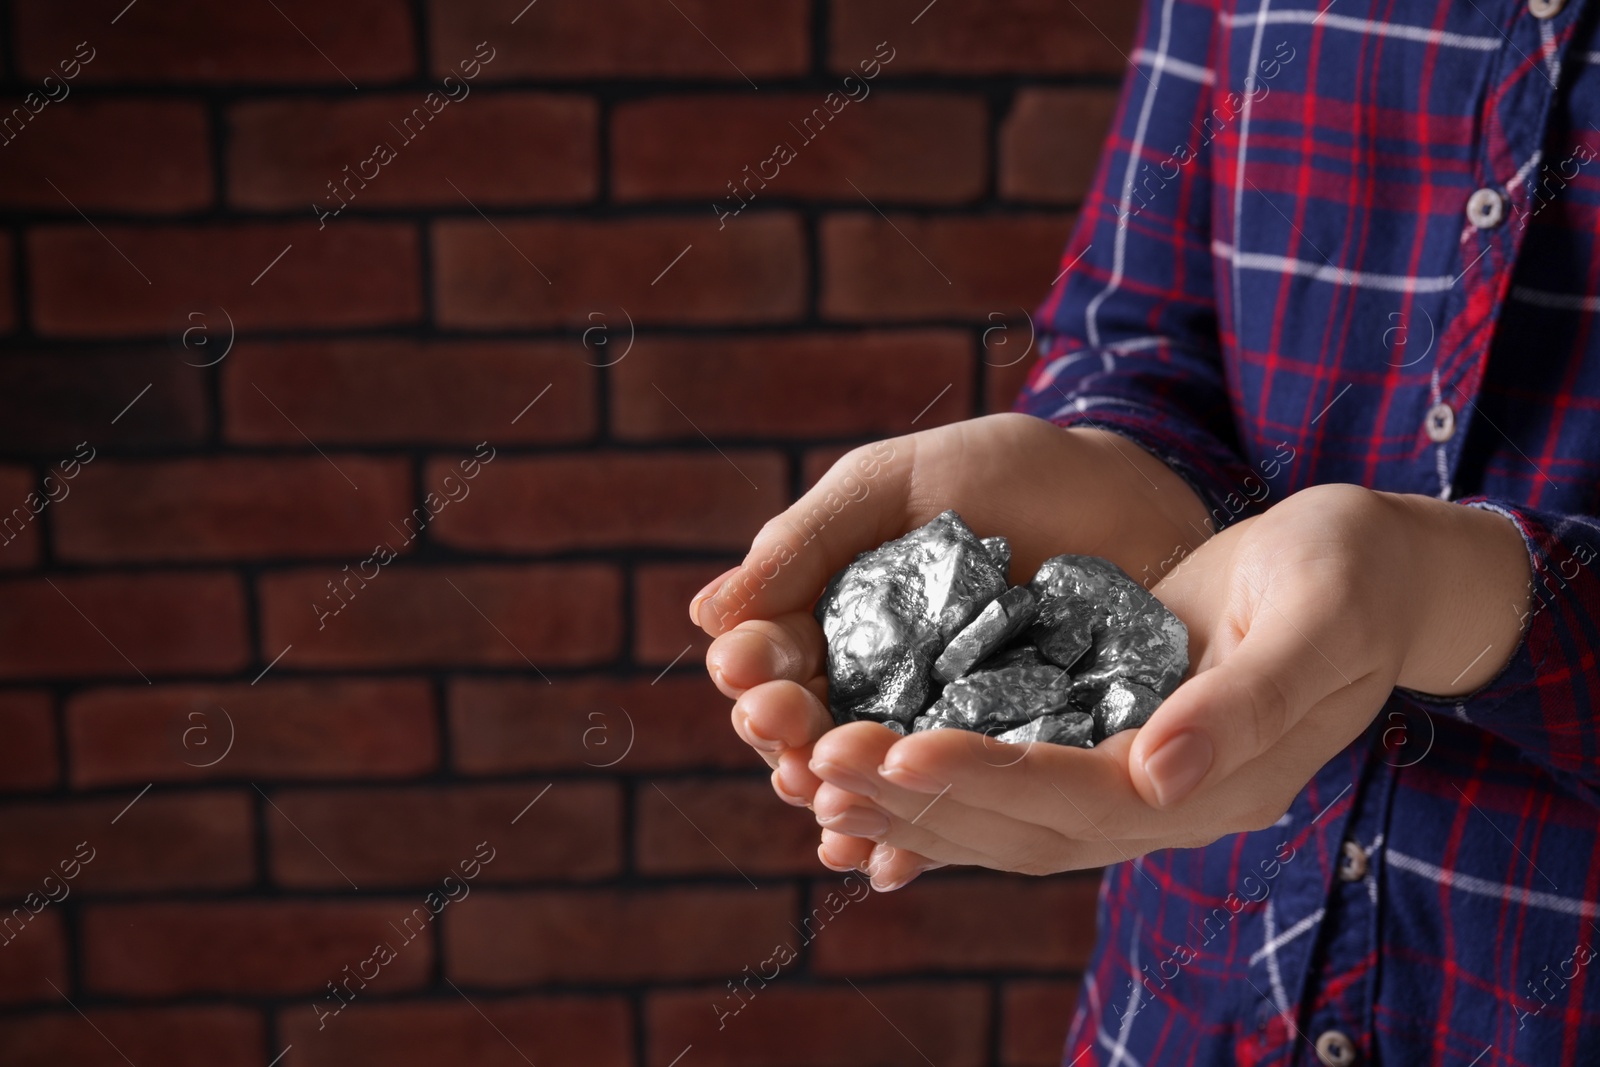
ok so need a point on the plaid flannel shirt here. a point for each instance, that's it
(1356, 242)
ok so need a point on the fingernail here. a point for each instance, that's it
(753, 650)
(845, 778)
(880, 855)
(917, 783)
(1178, 765)
(822, 857)
(783, 794)
(906, 879)
(857, 822)
(710, 589)
(756, 740)
(763, 744)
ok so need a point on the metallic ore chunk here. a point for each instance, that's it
(1064, 628)
(902, 693)
(1004, 618)
(999, 550)
(1067, 728)
(1003, 697)
(891, 612)
(1078, 654)
(1135, 637)
(1016, 656)
(1123, 706)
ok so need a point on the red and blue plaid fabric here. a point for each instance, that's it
(1357, 242)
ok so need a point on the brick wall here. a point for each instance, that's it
(241, 746)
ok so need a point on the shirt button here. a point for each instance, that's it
(1353, 867)
(1545, 9)
(1486, 209)
(1441, 423)
(1334, 1049)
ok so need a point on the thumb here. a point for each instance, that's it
(1226, 716)
(858, 504)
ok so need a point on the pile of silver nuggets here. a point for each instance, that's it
(923, 634)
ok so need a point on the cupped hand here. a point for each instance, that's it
(1301, 622)
(1048, 490)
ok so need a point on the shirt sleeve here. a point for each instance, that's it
(1544, 700)
(1128, 337)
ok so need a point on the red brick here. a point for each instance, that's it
(58, 400)
(8, 311)
(929, 148)
(634, 39)
(488, 277)
(1035, 1018)
(511, 1032)
(28, 759)
(514, 726)
(510, 939)
(662, 630)
(818, 460)
(231, 508)
(111, 155)
(355, 274)
(1050, 143)
(172, 841)
(33, 953)
(491, 616)
(159, 622)
(986, 36)
(973, 266)
(550, 159)
(400, 391)
(964, 924)
(415, 837)
(173, 1037)
(250, 947)
(302, 42)
(19, 525)
(302, 730)
(839, 1026)
(707, 826)
(805, 386)
(586, 501)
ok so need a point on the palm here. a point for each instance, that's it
(1047, 491)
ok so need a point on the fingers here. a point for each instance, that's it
(887, 867)
(842, 853)
(794, 776)
(790, 646)
(1001, 842)
(793, 799)
(780, 715)
(710, 587)
(894, 868)
(858, 800)
(858, 504)
(846, 813)
(1081, 794)
(848, 757)
(1228, 715)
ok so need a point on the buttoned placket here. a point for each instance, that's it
(1491, 234)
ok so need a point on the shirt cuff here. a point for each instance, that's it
(1534, 700)
(1229, 488)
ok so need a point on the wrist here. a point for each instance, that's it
(1471, 593)
(1148, 517)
